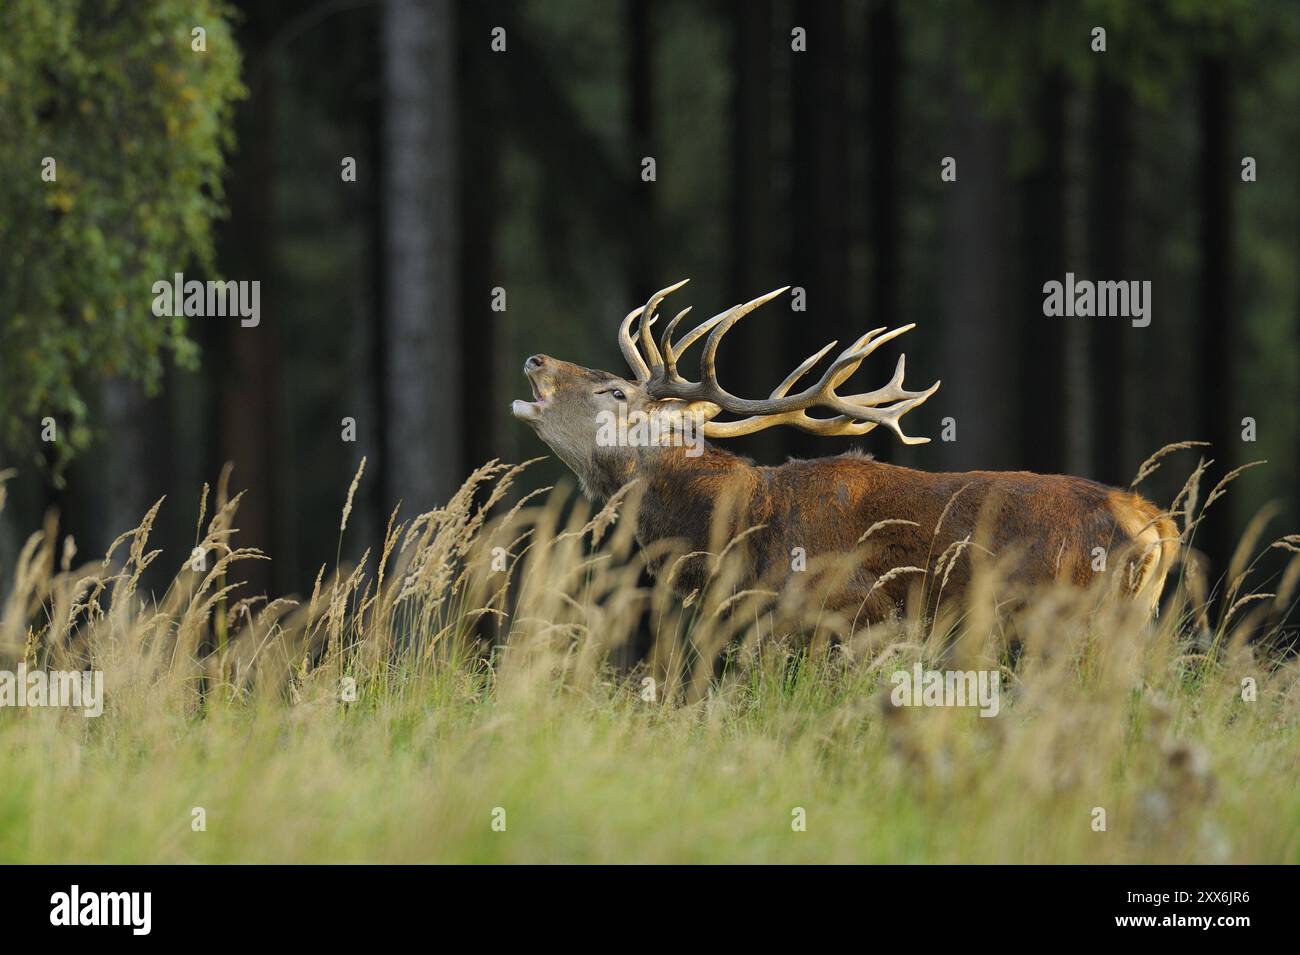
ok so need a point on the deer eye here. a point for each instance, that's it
(618, 394)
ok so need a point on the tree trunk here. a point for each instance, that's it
(819, 221)
(245, 372)
(1215, 380)
(1042, 401)
(975, 326)
(751, 269)
(1109, 202)
(129, 465)
(885, 78)
(642, 277)
(422, 400)
(366, 355)
(479, 173)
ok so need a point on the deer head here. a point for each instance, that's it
(575, 406)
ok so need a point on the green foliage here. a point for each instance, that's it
(137, 122)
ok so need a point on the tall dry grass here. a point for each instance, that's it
(481, 639)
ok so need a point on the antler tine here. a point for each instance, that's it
(873, 343)
(891, 415)
(780, 390)
(847, 362)
(846, 356)
(699, 331)
(853, 356)
(893, 391)
(647, 343)
(666, 344)
(708, 373)
(648, 317)
(627, 345)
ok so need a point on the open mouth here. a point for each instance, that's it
(530, 410)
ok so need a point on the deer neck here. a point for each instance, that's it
(683, 491)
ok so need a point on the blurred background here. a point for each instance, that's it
(499, 209)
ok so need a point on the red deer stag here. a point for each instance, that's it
(826, 506)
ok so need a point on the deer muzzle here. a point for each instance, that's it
(535, 372)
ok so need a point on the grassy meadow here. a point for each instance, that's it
(495, 718)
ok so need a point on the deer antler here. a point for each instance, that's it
(853, 414)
